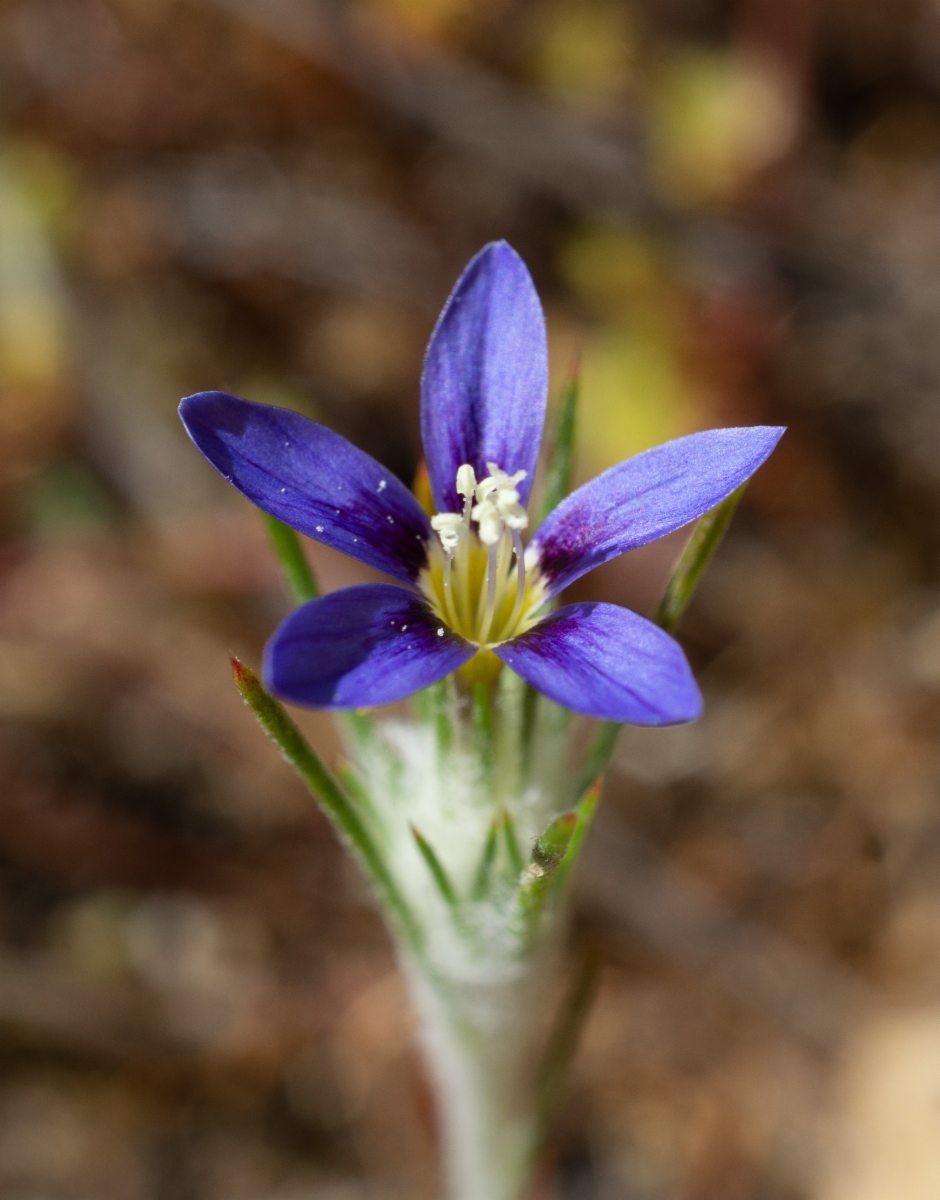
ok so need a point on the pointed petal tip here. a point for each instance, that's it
(648, 496)
(501, 251)
(773, 433)
(312, 479)
(485, 381)
(200, 404)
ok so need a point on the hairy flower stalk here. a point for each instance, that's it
(481, 977)
(468, 815)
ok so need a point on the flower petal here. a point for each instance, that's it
(312, 479)
(360, 647)
(607, 662)
(485, 381)
(646, 497)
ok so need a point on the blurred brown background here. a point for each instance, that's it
(733, 208)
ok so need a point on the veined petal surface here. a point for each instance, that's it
(646, 497)
(485, 381)
(607, 662)
(360, 647)
(312, 479)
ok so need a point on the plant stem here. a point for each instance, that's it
(560, 459)
(298, 577)
(680, 589)
(277, 724)
(478, 1039)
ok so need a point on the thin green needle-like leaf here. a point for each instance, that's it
(482, 881)
(298, 576)
(702, 545)
(585, 809)
(354, 789)
(538, 878)
(433, 706)
(441, 878)
(678, 595)
(560, 461)
(564, 1039)
(517, 862)
(277, 724)
(598, 755)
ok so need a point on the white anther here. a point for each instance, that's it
(450, 528)
(511, 510)
(488, 517)
(498, 481)
(498, 504)
(486, 488)
(466, 481)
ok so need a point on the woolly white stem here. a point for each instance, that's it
(479, 1050)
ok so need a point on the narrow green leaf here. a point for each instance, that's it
(277, 724)
(563, 1041)
(678, 595)
(585, 809)
(516, 861)
(538, 878)
(359, 725)
(598, 755)
(441, 878)
(702, 545)
(298, 577)
(354, 789)
(481, 882)
(560, 460)
(434, 708)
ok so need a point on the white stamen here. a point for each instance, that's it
(512, 512)
(487, 516)
(466, 486)
(481, 608)
(466, 481)
(498, 481)
(520, 576)
(492, 569)
(450, 604)
(450, 528)
(383, 484)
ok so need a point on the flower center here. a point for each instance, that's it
(477, 580)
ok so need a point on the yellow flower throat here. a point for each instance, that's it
(476, 580)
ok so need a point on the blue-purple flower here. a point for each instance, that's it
(469, 593)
